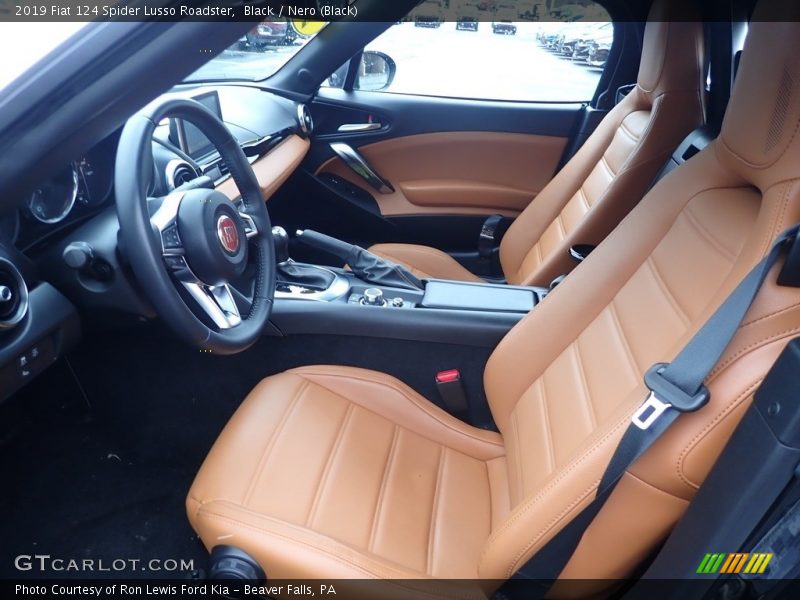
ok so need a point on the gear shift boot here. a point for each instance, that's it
(307, 276)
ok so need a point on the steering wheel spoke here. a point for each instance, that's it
(217, 302)
(250, 229)
(165, 222)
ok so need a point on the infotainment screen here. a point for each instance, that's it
(190, 139)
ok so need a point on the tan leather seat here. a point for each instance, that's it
(338, 472)
(608, 175)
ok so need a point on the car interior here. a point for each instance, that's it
(295, 328)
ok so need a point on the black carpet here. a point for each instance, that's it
(96, 465)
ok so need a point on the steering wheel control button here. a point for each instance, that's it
(228, 234)
(175, 262)
(374, 297)
(172, 240)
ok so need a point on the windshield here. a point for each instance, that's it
(259, 53)
(23, 44)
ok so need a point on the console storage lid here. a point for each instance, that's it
(456, 295)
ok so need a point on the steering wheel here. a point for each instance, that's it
(206, 263)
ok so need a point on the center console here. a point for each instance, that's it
(335, 301)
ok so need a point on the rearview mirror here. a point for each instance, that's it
(375, 72)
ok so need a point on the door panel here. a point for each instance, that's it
(451, 163)
(460, 172)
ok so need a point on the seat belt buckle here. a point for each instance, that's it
(489, 238)
(451, 390)
(665, 395)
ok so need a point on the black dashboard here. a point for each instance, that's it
(42, 290)
(258, 120)
(72, 195)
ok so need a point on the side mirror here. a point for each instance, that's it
(375, 72)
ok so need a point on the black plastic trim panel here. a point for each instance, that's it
(51, 325)
(467, 328)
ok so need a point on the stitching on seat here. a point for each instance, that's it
(548, 430)
(770, 315)
(517, 464)
(666, 292)
(560, 223)
(329, 553)
(379, 504)
(707, 235)
(584, 199)
(637, 370)
(514, 565)
(382, 572)
(430, 550)
(624, 128)
(515, 332)
(312, 513)
(489, 489)
(299, 392)
(746, 350)
(780, 219)
(713, 376)
(403, 393)
(710, 425)
(607, 166)
(584, 381)
(529, 504)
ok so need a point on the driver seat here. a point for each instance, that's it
(337, 472)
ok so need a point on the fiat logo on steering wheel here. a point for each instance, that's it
(228, 234)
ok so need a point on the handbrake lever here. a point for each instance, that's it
(364, 264)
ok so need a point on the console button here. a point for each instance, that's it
(373, 297)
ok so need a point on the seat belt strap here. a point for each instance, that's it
(675, 388)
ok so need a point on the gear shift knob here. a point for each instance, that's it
(281, 240)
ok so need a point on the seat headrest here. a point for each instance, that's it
(761, 124)
(672, 52)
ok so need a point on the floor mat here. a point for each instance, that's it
(76, 490)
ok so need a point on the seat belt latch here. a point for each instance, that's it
(580, 252)
(648, 412)
(664, 395)
(488, 240)
(451, 390)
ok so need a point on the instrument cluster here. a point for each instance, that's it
(80, 188)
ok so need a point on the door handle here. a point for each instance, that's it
(358, 163)
(358, 127)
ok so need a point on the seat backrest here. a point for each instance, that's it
(620, 160)
(563, 384)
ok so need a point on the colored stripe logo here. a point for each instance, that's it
(753, 563)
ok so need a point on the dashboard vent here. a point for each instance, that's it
(304, 120)
(13, 295)
(179, 172)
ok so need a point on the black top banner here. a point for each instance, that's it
(383, 10)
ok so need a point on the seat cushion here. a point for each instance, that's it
(343, 472)
(425, 262)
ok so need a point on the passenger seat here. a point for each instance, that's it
(611, 172)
